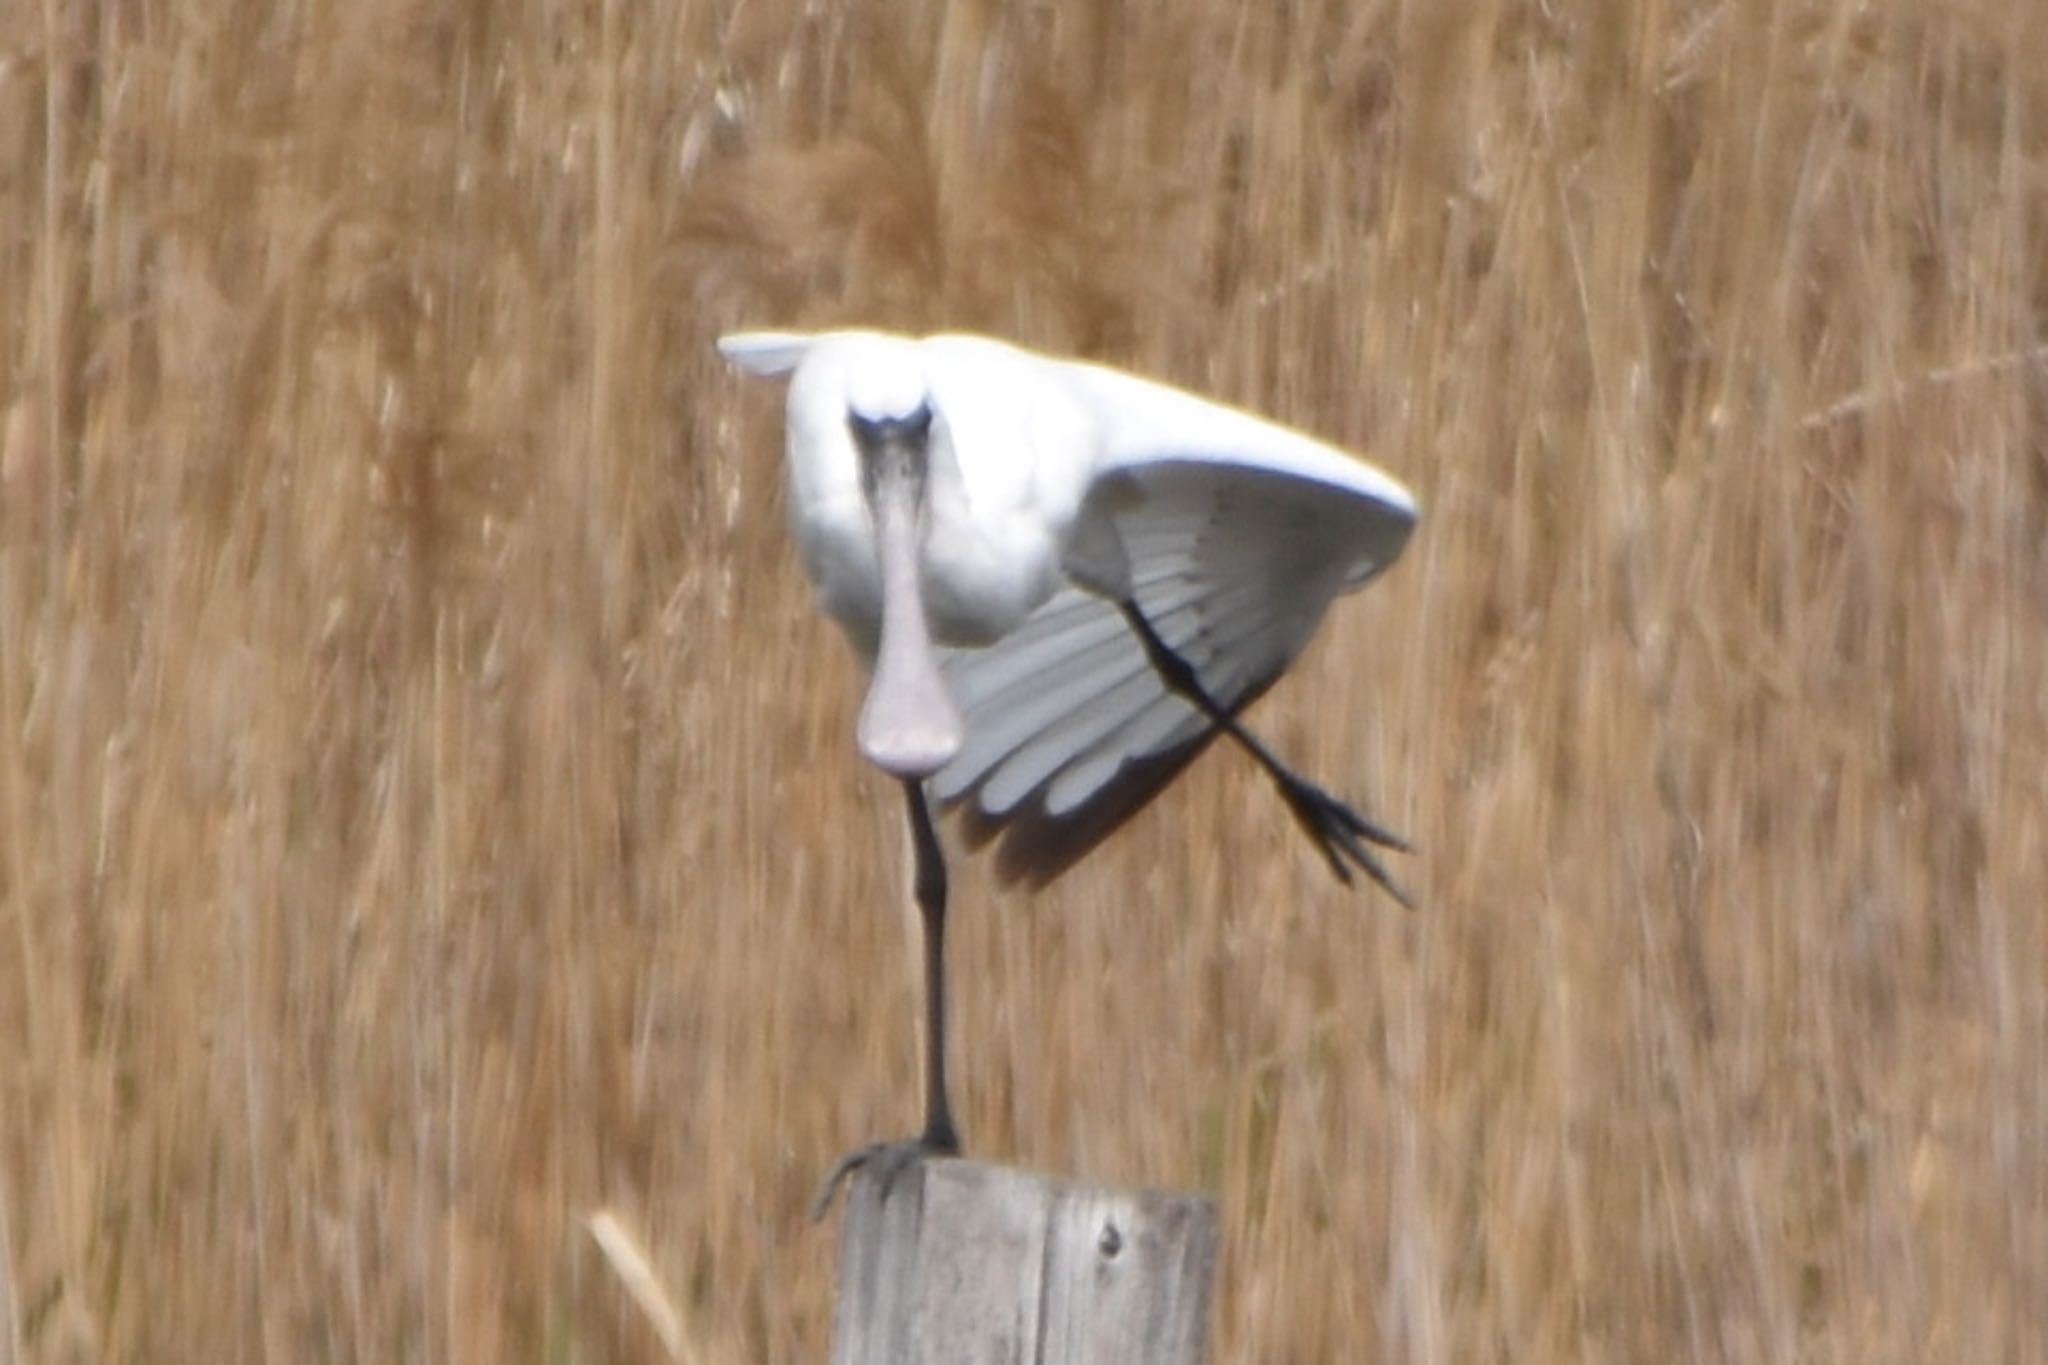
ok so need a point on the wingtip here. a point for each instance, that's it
(765, 353)
(1034, 846)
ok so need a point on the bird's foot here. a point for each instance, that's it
(886, 1162)
(1342, 833)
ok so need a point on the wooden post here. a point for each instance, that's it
(965, 1264)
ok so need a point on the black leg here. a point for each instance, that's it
(940, 1138)
(1339, 832)
(939, 1133)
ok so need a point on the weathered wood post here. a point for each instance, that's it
(966, 1263)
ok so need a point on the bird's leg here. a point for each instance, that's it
(939, 1133)
(888, 1160)
(1339, 831)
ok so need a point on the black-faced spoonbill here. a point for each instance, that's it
(1065, 580)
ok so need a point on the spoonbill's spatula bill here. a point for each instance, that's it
(1066, 581)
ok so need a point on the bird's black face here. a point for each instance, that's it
(893, 453)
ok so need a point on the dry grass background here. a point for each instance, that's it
(427, 807)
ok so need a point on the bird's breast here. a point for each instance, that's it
(983, 578)
(980, 578)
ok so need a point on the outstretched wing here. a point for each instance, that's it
(768, 354)
(1238, 534)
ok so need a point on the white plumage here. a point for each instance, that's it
(1056, 491)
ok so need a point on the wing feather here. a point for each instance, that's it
(1071, 730)
(767, 354)
(1050, 752)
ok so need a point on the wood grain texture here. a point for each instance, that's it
(966, 1263)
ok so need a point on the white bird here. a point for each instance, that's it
(1065, 580)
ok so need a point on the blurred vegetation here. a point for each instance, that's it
(428, 813)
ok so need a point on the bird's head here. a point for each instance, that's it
(885, 380)
(889, 415)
